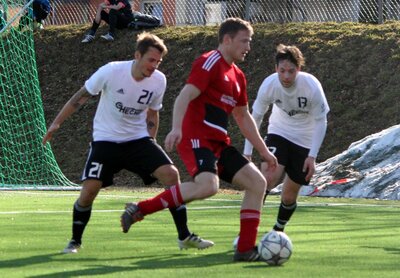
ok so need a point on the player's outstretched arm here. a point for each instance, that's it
(76, 101)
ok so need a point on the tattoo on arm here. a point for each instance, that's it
(80, 98)
(76, 103)
(150, 125)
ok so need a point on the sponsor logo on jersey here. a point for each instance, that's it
(228, 100)
(292, 113)
(127, 110)
(121, 91)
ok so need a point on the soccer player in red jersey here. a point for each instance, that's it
(215, 88)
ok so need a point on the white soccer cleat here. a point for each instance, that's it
(194, 241)
(72, 247)
(235, 243)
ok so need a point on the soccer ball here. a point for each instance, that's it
(275, 248)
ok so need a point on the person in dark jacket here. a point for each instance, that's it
(116, 13)
(37, 13)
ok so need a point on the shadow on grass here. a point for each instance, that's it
(20, 262)
(391, 250)
(94, 266)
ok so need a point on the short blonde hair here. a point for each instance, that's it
(146, 40)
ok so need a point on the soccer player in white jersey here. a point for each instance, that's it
(124, 131)
(296, 129)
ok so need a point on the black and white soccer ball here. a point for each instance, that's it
(275, 248)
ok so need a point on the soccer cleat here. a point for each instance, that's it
(88, 38)
(278, 229)
(235, 243)
(249, 256)
(72, 247)
(194, 241)
(131, 215)
(108, 37)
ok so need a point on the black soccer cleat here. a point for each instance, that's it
(130, 216)
(249, 256)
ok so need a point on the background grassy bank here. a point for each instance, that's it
(358, 66)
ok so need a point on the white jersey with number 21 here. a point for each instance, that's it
(122, 110)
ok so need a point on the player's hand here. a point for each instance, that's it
(49, 134)
(173, 138)
(309, 167)
(270, 159)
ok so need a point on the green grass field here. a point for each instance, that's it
(331, 238)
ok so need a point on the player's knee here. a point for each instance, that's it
(87, 199)
(171, 174)
(207, 185)
(288, 199)
(89, 191)
(256, 184)
(212, 189)
(272, 181)
(167, 175)
(209, 190)
(260, 185)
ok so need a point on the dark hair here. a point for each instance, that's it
(146, 40)
(231, 26)
(290, 53)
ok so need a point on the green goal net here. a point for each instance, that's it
(24, 162)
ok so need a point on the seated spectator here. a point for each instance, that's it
(39, 12)
(116, 13)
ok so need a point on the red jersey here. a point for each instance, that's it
(223, 87)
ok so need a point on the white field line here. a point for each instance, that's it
(268, 204)
(144, 196)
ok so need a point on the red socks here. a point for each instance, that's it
(249, 222)
(170, 198)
